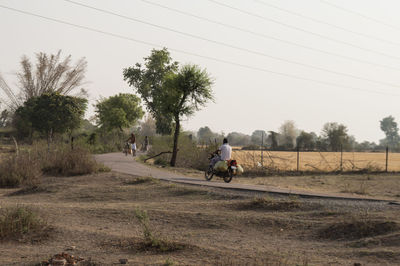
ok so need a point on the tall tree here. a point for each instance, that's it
(336, 135)
(169, 94)
(50, 74)
(258, 136)
(306, 141)
(238, 139)
(288, 133)
(118, 111)
(204, 134)
(149, 81)
(185, 92)
(389, 127)
(273, 139)
(52, 113)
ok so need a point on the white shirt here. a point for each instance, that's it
(226, 151)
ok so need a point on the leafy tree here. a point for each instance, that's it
(306, 141)
(118, 111)
(185, 92)
(273, 140)
(238, 139)
(389, 127)
(169, 94)
(204, 134)
(288, 133)
(51, 113)
(148, 126)
(257, 136)
(149, 82)
(50, 74)
(335, 135)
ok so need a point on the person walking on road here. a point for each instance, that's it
(132, 141)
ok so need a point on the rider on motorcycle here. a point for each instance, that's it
(224, 153)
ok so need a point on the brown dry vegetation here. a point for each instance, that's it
(382, 186)
(318, 161)
(95, 216)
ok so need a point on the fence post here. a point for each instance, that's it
(262, 149)
(298, 158)
(341, 158)
(387, 158)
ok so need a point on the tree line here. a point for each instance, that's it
(333, 137)
(47, 103)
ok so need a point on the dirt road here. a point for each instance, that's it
(126, 164)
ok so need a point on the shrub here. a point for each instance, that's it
(17, 170)
(67, 162)
(19, 221)
(27, 167)
(151, 241)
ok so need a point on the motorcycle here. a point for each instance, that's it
(226, 175)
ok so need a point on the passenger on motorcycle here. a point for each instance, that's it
(224, 153)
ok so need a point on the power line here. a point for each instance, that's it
(233, 46)
(303, 30)
(360, 15)
(327, 23)
(269, 37)
(332, 84)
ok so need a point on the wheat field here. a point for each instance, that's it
(318, 161)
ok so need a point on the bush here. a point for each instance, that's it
(18, 221)
(17, 170)
(151, 241)
(66, 162)
(29, 165)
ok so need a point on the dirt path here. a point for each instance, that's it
(126, 164)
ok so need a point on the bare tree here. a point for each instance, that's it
(50, 74)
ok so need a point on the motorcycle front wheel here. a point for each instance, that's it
(209, 173)
(229, 176)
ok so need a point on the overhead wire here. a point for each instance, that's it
(332, 84)
(360, 15)
(234, 46)
(326, 23)
(303, 30)
(270, 37)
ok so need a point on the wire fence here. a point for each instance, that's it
(319, 161)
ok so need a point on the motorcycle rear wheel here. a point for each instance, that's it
(209, 173)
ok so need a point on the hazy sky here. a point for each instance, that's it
(361, 56)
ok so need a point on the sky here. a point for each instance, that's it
(310, 61)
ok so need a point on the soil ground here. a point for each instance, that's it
(94, 217)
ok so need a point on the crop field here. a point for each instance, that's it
(318, 161)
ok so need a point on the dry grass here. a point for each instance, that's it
(318, 161)
(358, 228)
(17, 222)
(270, 204)
(194, 226)
(67, 162)
(16, 170)
(32, 162)
(386, 186)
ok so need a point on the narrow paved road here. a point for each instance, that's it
(118, 162)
